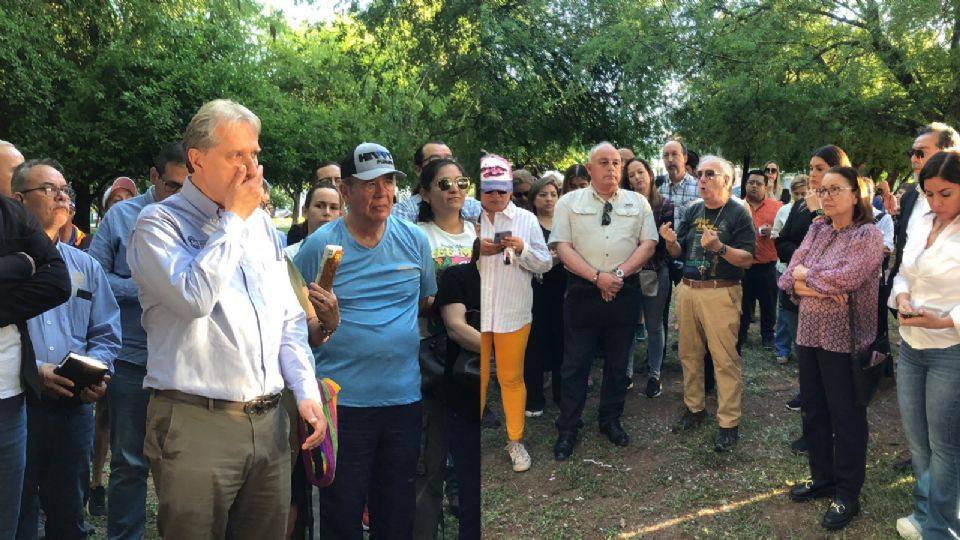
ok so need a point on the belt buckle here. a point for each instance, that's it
(255, 407)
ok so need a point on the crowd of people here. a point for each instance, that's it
(215, 327)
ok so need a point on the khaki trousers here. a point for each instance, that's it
(710, 318)
(218, 474)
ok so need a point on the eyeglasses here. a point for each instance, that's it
(915, 152)
(771, 170)
(831, 191)
(172, 186)
(605, 218)
(462, 182)
(53, 191)
(707, 173)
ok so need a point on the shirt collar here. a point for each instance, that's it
(597, 196)
(199, 200)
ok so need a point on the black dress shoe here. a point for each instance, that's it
(839, 514)
(564, 446)
(614, 431)
(689, 420)
(799, 446)
(726, 439)
(807, 491)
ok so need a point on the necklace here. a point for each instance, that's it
(703, 215)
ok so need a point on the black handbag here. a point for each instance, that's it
(433, 359)
(466, 366)
(867, 366)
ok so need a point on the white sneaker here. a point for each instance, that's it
(533, 414)
(519, 456)
(909, 528)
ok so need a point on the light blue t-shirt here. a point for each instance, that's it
(373, 355)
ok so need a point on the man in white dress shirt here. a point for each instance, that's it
(224, 334)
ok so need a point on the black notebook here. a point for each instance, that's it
(82, 370)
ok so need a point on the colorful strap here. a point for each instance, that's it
(327, 451)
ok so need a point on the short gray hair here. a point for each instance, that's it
(724, 164)
(201, 131)
(18, 182)
(598, 147)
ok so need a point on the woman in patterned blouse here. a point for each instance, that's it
(840, 256)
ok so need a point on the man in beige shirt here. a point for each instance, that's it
(603, 236)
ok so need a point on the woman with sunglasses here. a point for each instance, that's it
(926, 297)
(774, 187)
(512, 251)
(444, 189)
(838, 262)
(791, 235)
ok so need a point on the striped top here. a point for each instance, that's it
(506, 294)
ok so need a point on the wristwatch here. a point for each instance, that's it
(596, 278)
(618, 272)
(722, 250)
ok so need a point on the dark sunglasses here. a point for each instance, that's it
(172, 186)
(497, 191)
(605, 218)
(521, 194)
(918, 152)
(771, 170)
(707, 173)
(462, 182)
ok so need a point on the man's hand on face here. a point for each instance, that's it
(245, 192)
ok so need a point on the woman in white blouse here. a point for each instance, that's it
(926, 294)
(512, 250)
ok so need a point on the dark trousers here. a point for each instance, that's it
(542, 357)
(377, 463)
(431, 469)
(464, 441)
(834, 425)
(580, 347)
(759, 285)
(59, 446)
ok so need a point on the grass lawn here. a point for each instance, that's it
(675, 486)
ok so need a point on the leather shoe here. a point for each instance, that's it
(807, 491)
(614, 431)
(564, 446)
(689, 420)
(726, 439)
(839, 514)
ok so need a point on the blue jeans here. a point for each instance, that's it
(653, 307)
(13, 460)
(127, 491)
(377, 462)
(927, 382)
(785, 334)
(57, 476)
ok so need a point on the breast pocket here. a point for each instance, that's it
(80, 305)
(627, 223)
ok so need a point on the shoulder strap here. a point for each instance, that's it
(853, 326)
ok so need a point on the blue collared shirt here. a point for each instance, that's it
(109, 247)
(88, 323)
(409, 209)
(221, 317)
(682, 195)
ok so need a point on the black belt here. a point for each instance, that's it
(256, 406)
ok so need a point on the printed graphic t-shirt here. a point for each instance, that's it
(735, 229)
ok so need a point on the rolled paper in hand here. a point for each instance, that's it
(328, 266)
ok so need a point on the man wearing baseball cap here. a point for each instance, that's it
(121, 189)
(385, 277)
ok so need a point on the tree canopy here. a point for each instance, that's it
(102, 85)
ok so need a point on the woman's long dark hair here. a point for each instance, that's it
(427, 177)
(574, 171)
(944, 164)
(654, 199)
(833, 155)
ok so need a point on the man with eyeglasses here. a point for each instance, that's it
(603, 235)
(760, 280)
(384, 279)
(126, 398)
(716, 242)
(409, 209)
(60, 423)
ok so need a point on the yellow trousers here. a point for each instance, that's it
(510, 349)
